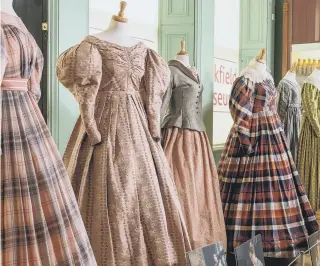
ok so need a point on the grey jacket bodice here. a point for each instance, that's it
(182, 103)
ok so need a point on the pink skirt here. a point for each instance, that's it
(191, 160)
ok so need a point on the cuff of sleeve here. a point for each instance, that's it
(154, 126)
(94, 135)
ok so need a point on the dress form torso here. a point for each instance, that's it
(184, 59)
(7, 7)
(117, 33)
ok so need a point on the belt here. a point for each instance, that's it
(14, 84)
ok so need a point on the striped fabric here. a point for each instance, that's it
(309, 144)
(260, 187)
(289, 109)
(40, 220)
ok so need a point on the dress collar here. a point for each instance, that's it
(183, 68)
(256, 72)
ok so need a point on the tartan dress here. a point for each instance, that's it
(260, 187)
(40, 221)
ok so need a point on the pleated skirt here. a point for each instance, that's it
(125, 189)
(262, 192)
(41, 224)
(191, 161)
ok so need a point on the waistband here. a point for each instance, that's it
(126, 92)
(14, 84)
(294, 105)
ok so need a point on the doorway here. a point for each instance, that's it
(34, 13)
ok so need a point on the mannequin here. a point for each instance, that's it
(289, 109)
(7, 7)
(291, 74)
(118, 31)
(183, 56)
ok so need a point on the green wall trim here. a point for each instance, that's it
(68, 25)
(53, 52)
(278, 41)
(204, 57)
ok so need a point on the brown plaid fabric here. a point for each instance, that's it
(40, 220)
(260, 187)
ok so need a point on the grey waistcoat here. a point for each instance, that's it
(182, 103)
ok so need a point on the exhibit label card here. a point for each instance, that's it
(212, 255)
(250, 253)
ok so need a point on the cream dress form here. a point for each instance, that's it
(184, 59)
(117, 33)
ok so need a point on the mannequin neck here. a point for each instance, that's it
(118, 28)
(118, 33)
(184, 59)
(290, 76)
(7, 7)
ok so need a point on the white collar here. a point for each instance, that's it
(314, 78)
(256, 72)
(291, 76)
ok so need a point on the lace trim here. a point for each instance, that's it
(314, 78)
(257, 72)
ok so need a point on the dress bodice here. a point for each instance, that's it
(94, 68)
(182, 104)
(21, 58)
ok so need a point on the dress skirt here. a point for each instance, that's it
(309, 164)
(124, 188)
(309, 145)
(262, 192)
(191, 160)
(40, 221)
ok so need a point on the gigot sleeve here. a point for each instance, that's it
(241, 105)
(166, 98)
(79, 69)
(156, 80)
(310, 102)
(284, 96)
(36, 74)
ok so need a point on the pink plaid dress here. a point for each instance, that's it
(261, 189)
(40, 220)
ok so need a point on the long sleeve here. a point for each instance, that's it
(156, 80)
(241, 105)
(310, 102)
(283, 100)
(167, 98)
(4, 61)
(37, 67)
(79, 69)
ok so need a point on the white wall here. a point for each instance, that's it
(142, 18)
(226, 65)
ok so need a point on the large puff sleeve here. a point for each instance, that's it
(241, 106)
(156, 80)
(310, 102)
(79, 69)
